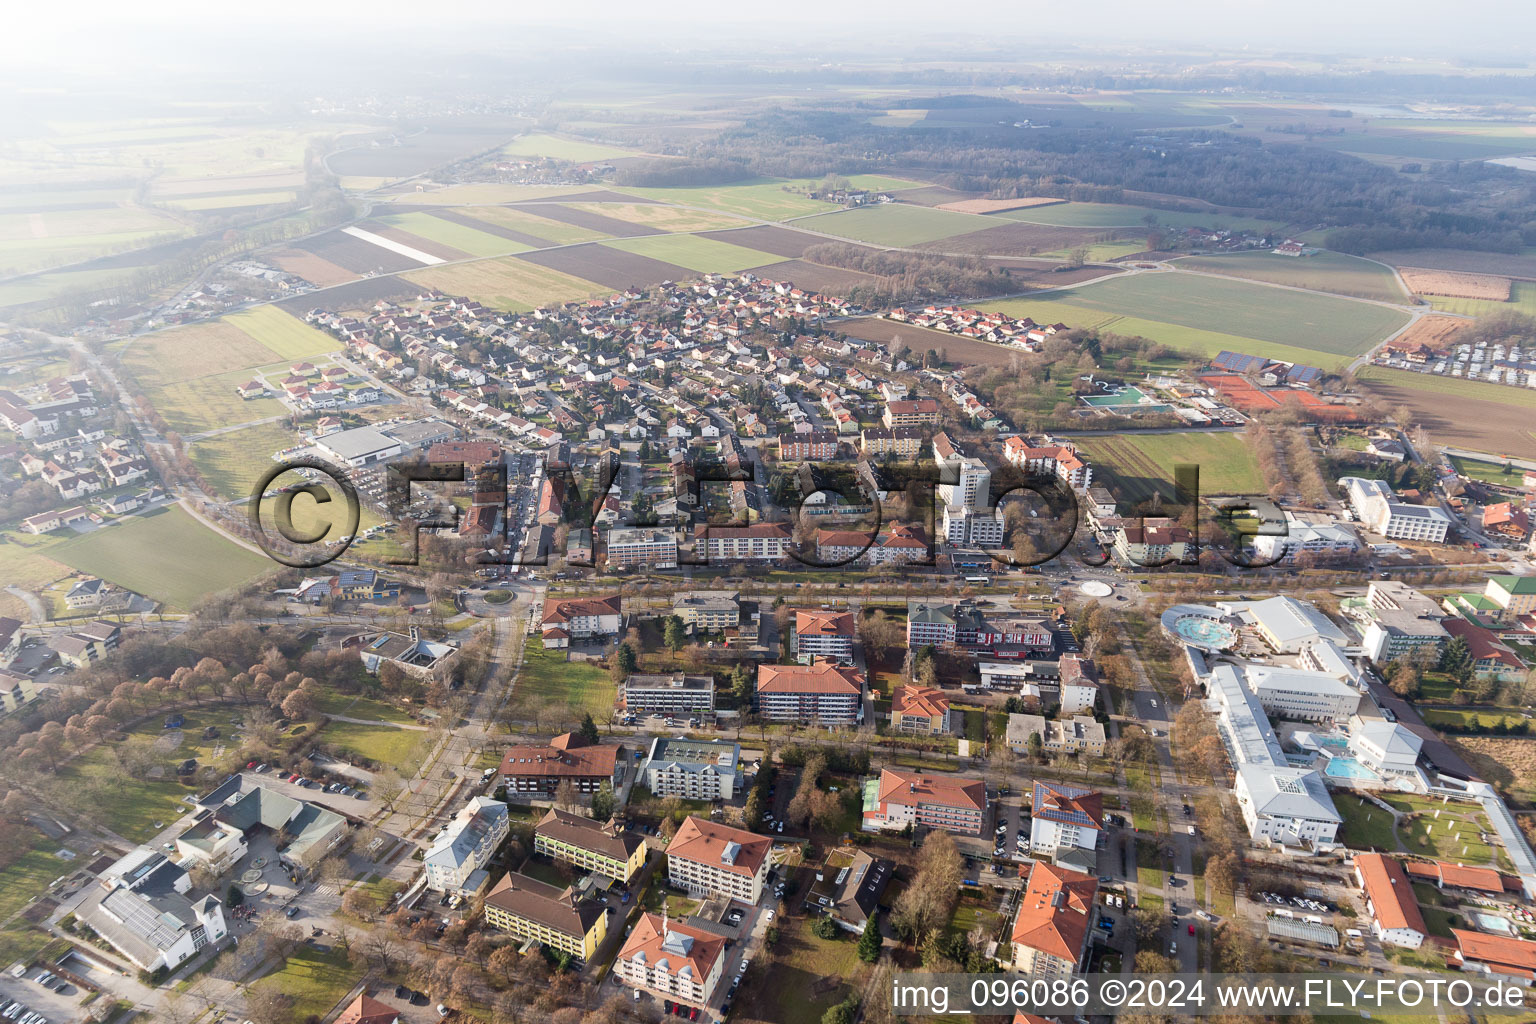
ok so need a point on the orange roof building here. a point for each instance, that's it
(820, 634)
(672, 959)
(1457, 876)
(899, 798)
(581, 619)
(1050, 931)
(1394, 909)
(1496, 954)
(367, 1010)
(922, 710)
(540, 768)
(822, 691)
(707, 858)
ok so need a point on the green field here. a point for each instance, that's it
(193, 406)
(1488, 472)
(166, 555)
(399, 748)
(525, 220)
(465, 239)
(705, 255)
(1455, 387)
(1365, 825)
(763, 198)
(549, 682)
(563, 149)
(506, 283)
(895, 224)
(223, 202)
(1324, 272)
(1135, 466)
(35, 241)
(234, 461)
(477, 194)
(316, 980)
(286, 335)
(1522, 299)
(1116, 215)
(1100, 252)
(29, 875)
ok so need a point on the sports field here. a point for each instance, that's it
(506, 283)
(891, 224)
(457, 236)
(762, 198)
(1325, 272)
(1135, 466)
(285, 334)
(706, 255)
(563, 149)
(166, 555)
(1117, 215)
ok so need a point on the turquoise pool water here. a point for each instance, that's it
(1348, 768)
(1129, 396)
(1204, 631)
(1333, 742)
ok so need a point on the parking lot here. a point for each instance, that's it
(58, 1005)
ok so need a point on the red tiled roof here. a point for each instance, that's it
(1055, 911)
(561, 612)
(705, 842)
(1390, 892)
(818, 677)
(919, 701)
(823, 623)
(567, 755)
(367, 1010)
(647, 938)
(913, 787)
(1519, 955)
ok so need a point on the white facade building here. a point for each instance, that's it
(454, 863)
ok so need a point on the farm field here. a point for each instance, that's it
(814, 277)
(921, 339)
(26, 560)
(319, 272)
(1465, 260)
(661, 216)
(1522, 299)
(763, 198)
(588, 218)
(208, 403)
(564, 149)
(287, 336)
(446, 232)
(1456, 284)
(1324, 272)
(526, 222)
(166, 555)
(705, 255)
(506, 283)
(1141, 465)
(611, 268)
(998, 205)
(417, 152)
(232, 201)
(198, 350)
(1492, 418)
(232, 462)
(475, 195)
(1438, 332)
(51, 238)
(355, 254)
(785, 242)
(893, 224)
(1101, 252)
(1015, 238)
(1117, 215)
(1507, 762)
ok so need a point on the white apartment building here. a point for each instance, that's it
(1379, 509)
(672, 959)
(692, 769)
(1301, 694)
(972, 527)
(760, 542)
(709, 859)
(1319, 540)
(633, 546)
(966, 483)
(454, 863)
(669, 694)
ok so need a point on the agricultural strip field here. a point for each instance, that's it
(166, 555)
(564, 149)
(1492, 418)
(475, 195)
(1324, 272)
(1522, 299)
(286, 335)
(1464, 260)
(525, 220)
(1321, 323)
(354, 254)
(921, 339)
(1005, 239)
(422, 250)
(319, 272)
(893, 225)
(233, 461)
(198, 350)
(510, 282)
(1141, 465)
(608, 267)
(415, 154)
(590, 220)
(661, 216)
(1116, 215)
(998, 205)
(814, 276)
(1456, 284)
(35, 241)
(463, 218)
(705, 255)
(236, 201)
(765, 198)
(785, 242)
(451, 233)
(1438, 332)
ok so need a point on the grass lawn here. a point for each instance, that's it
(891, 224)
(1116, 215)
(285, 334)
(29, 874)
(317, 981)
(196, 351)
(1140, 465)
(1325, 272)
(762, 198)
(1447, 831)
(234, 461)
(26, 560)
(547, 680)
(809, 976)
(1440, 921)
(207, 403)
(1498, 473)
(465, 239)
(1450, 387)
(1463, 719)
(705, 255)
(166, 555)
(353, 706)
(563, 149)
(545, 871)
(133, 808)
(1522, 299)
(401, 749)
(1149, 871)
(506, 283)
(1365, 825)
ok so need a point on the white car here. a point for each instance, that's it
(769, 915)
(1154, 702)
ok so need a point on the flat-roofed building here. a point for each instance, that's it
(707, 858)
(708, 611)
(529, 909)
(673, 959)
(144, 908)
(1302, 695)
(1402, 620)
(605, 847)
(692, 769)
(1380, 509)
(674, 693)
(635, 546)
(897, 798)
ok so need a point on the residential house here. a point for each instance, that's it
(822, 634)
(919, 710)
(710, 859)
(1054, 918)
(606, 848)
(557, 919)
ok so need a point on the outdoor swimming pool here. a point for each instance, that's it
(1204, 631)
(1125, 396)
(1349, 768)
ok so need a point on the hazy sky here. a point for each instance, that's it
(102, 34)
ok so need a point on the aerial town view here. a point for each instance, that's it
(601, 514)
